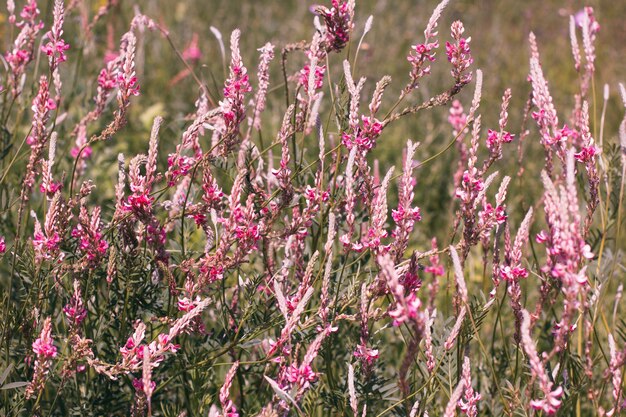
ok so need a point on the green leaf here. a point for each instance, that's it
(5, 373)
(281, 394)
(13, 385)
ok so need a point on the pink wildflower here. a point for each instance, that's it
(470, 397)
(45, 351)
(192, 51)
(551, 401)
(74, 310)
(457, 118)
(339, 23)
(228, 407)
(459, 54)
(89, 234)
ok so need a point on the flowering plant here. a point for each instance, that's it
(223, 273)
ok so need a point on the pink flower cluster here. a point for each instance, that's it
(301, 376)
(586, 154)
(566, 248)
(407, 309)
(233, 107)
(45, 351)
(106, 79)
(514, 273)
(419, 57)
(495, 139)
(126, 77)
(435, 267)
(50, 187)
(47, 246)
(457, 118)
(56, 50)
(339, 24)
(405, 215)
(228, 407)
(192, 52)
(237, 85)
(402, 215)
(43, 104)
(489, 214)
(138, 385)
(563, 135)
(468, 404)
(363, 137)
(22, 51)
(318, 78)
(213, 194)
(133, 350)
(17, 58)
(367, 355)
(88, 232)
(138, 203)
(29, 13)
(75, 310)
(551, 402)
(43, 346)
(471, 185)
(179, 166)
(412, 214)
(459, 54)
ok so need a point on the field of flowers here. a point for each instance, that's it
(294, 209)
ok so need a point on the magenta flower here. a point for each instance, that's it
(586, 154)
(339, 24)
(44, 350)
(106, 80)
(75, 310)
(43, 346)
(192, 51)
(541, 237)
(228, 407)
(495, 139)
(513, 273)
(50, 188)
(17, 58)
(89, 234)
(318, 78)
(562, 135)
(549, 405)
(86, 154)
(138, 385)
(457, 118)
(367, 355)
(420, 55)
(410, 309)
(56, 50)
(471, 185)
(300, 376)
(233, 107)
(30, 11)
(468, 404)
(139, 203)
(363, 137)
(179, 166)
(459, 54)
(45, 245)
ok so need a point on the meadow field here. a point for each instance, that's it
(285, 208)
